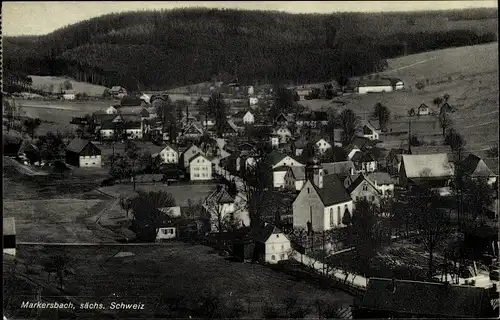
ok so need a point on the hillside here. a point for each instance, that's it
(52, 85)
(166, 49)
(468, 74)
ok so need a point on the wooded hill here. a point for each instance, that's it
(163, 49)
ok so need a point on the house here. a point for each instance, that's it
(118, 92)
(192, 131)
(363, 143)
(476, 168)
(393, 160)
(280, 163)
(366, 85)
(433, 150)
(9, 236)
(370, 132)
(341, 168)
(364, 162)
(28, 152)
(133, 130)
(168, 154)
(323, 145)
(432, 170)
(283, 133)
(200, 168)
(397, 84)
(295, 177)
(281, 120)
(383, 182)
(248, 118)
(351, 150)
(219, 204)
(423, 110)
(107, 130)
(83, 153)
(166, 231)
(253, 101)
(146, 98)
(271, 244)
(323, 201)
(69, 95)
(111, 110)
(313, 119)
(190, 152)
(391, 298)
(362, 188)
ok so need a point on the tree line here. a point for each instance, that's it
(155, 50)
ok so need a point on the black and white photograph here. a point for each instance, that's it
(250, 159)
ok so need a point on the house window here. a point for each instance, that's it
(273, 257)
(282, 247)
(365, 187)
(166, 231)
(331, 216)
(307, 190)
(277, 236)
(373, 198)
(339, 217)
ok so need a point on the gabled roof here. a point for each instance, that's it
(219, 196)
(339, 168)
(368, 128)
(198, 155)
(380, 178)
(362, 142)
(360, 180)
(492, 163)
(275, 157)
(9, 226)
(281, 168)
(426, 298)
(362, 157)
(25, 145)
(365, 82)
(192, 128)
(298, 173)
(423, 106)
(427, 166)
(333, 191)
(476, 167)
(262, 234)
(77, 145)
(281, 117)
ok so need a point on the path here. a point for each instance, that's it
(23, 169)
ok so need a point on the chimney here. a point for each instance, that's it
(314, 172)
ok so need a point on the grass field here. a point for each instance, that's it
(62, 220)
(157, 274)
(473, 90)
(181, 193)
(43, 83)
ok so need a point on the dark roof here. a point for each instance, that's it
(77, 145)
(492, 163)
(108, 124)
(367, 130)
(423, 105)
(261, 234)
(333, 191)
(281, 117)
(426, 298)
(340, 168)
(473, 165)
(362, 142)
(104, 117)
(358, 181)
(365, 82)
(130, 101)
(220, 195)
(132, 125)
(362, 157)
(275, 157)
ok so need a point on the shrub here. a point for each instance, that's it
(420, 85)
(493, 152)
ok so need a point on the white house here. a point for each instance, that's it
(219, 204)
(283, 133)
(383, 182)
(322, 203)
(200, 168)
(111, 110)
(253, 101)
(133, 130)
(83, 153)
(188, 154)
(275, 243)
(248, 118)
(423, 110)
(295, 178)
(275, 141)
(168, 154)
(9, 236)
(280, 164)
(370, 132)
(166, 232)
(323, 145)
(69, 95)
(251, 91)
(374, 86)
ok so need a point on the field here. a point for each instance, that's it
(181, 193)
(44, 82)
(468, 74)
(177, 271)
(63, 220)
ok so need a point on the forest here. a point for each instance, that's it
(158, 50)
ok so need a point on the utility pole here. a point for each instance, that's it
(409, 135)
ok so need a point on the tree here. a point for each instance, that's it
(51, 146)
(455, 141)
(58, 264)
(437, 101)
(31, 125)
(382, 113)
(309, 151)
(349, 123)
(9, 114)
(218, 109)
(67, 85)
(133, 155)
(492, 152)
(431, 221)
(415, 141)
(420, 85)
(446, 97)
(147, 217)
(445, 122)
(478, 198)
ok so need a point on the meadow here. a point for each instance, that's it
(46, 82)
(178, 272)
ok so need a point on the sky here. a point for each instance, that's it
(42, 17)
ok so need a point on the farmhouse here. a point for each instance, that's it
(476, 168)
(295, 177)
(364, 162)
(433, 170)
(433, 150)
(219, 204)
(107, 130)
(322, 202)
(190, 152)
(133, 130)
(362, 188)
(200, 168)
(323, 145)
(370, 132)
(83, 153)
(397, 84)
(271, 244)
(390, 298)
(366, 85)
(69, 95)
(28, 152)
(9, 236)
(423, 110)
(168, 154)
(383, 182)
(280, 163)
(166, 231)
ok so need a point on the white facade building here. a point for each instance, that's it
(200, 168)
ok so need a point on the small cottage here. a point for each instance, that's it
(295, 178)
(83, 153)
(423, 110)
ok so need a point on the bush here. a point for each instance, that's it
(420, 85)
(492, 152)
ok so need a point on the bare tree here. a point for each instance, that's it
(445, 122)
(349, 123)
(383, 115)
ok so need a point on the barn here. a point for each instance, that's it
(367, 85)
(83, 153)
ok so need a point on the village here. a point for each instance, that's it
(260, 178)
